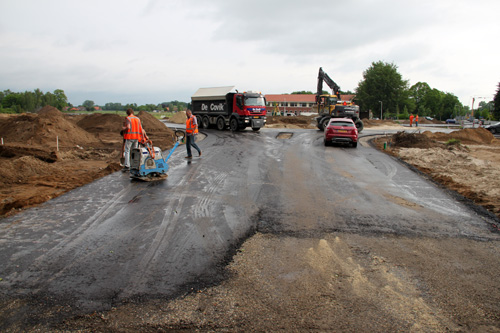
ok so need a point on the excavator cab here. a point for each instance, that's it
(326, 103)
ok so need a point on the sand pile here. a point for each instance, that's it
(43, 128)
(290, 122)
(107, 127)
(178, 118)
(97, 123)
(466, 136)
(151, 124)
(372, 122)
(20, 169)
(412, 140)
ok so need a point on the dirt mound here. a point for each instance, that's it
(18, 170)
(43, 128)
(151, 124)
(377, 122)
(290, 122)
(466, 136)
(297, 120)
(413, 140)
(178, 118)
(98, 122)
(49, 111)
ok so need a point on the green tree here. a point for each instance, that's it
(496, 102)
(113, 106)
(382, 83)
(418, 93)
(303, 92)
(449, 104)
(11, 100)
(89, 105)
(61, 100)
(132, 106)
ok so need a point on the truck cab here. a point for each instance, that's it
(225, 107)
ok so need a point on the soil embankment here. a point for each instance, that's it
(466, 161)
(47, 154)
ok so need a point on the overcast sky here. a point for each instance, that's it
(133, 51)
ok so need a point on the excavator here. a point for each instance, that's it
(332, 106)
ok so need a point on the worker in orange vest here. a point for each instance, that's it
(191, 131)
(411, 120)
(416, 120)
(133, 134)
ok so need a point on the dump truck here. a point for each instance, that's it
(224, 107)
(332, 106)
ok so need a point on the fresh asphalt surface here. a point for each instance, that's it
(117, 239)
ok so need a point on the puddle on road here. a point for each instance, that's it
(284, 135)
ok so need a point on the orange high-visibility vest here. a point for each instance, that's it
(135, 132)
(190, 126)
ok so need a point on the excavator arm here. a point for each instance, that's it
(322, 76)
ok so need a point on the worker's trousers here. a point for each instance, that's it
(129, 145)
(190, 142)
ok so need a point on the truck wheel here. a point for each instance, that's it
(198, 120)
(233, 124)
(324, 124)
(221, 124)
(205, 122)
(359, 125)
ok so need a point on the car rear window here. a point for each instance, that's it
(342, 123)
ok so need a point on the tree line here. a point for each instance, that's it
(383, 88)
(32, 101)
(165, 106)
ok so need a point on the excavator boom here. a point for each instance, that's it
(322, 76)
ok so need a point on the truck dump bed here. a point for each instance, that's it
(211, 94)
(212, 101)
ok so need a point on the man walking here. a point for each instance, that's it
(133, 133)
(191, 131)
(411, 119)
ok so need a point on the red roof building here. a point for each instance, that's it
(294, 104)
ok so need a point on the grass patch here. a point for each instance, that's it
(453, 142)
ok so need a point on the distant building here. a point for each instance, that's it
(294, 104)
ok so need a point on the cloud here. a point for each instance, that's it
(158, 47)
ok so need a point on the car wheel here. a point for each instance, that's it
(221, 124)
(233, 124)
(326, 142)
(493, 130)
(255, 129)
(354, 144)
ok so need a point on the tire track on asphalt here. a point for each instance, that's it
(77, 236)
(202, 208)
(138, 280)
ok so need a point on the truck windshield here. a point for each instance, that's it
(255, 101)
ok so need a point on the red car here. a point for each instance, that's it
(341, 130)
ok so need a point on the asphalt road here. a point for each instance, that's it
(117, 239)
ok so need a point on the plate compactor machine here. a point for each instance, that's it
(147, 162)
